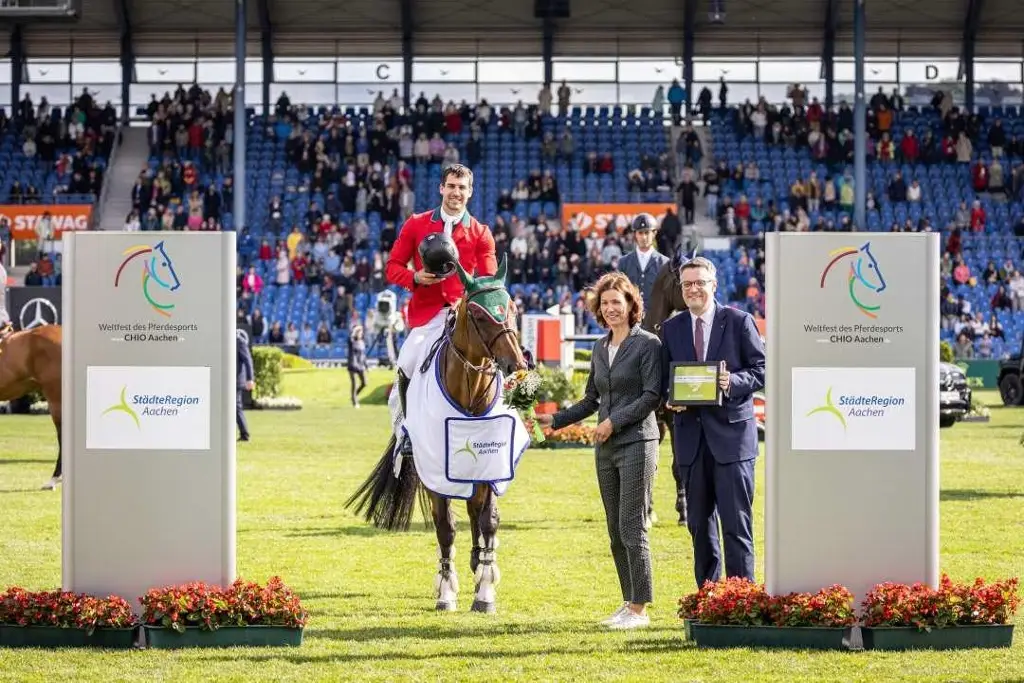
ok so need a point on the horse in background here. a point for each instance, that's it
(30, 360)
(479, 343)
(666, 301)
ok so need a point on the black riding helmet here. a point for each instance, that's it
(439, 254)
(644, 221)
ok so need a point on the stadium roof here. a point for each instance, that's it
(507, 28)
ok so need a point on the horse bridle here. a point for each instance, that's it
(507, 328)
(488, 367)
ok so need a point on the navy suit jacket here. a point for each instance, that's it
(629, 265)
(730, 429)
(245, 368)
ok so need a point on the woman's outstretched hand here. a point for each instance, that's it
(545, 420)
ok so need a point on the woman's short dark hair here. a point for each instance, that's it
(620, 283)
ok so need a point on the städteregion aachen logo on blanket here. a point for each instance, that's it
(477, 448)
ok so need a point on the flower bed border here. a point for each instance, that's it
(60, 637)
(895, 638)
(161, 638)
(789, 637)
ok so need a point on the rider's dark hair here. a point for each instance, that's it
(457, 170)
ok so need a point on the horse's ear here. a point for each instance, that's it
(463, 275)
(502, 268)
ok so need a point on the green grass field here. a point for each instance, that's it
(370, 594)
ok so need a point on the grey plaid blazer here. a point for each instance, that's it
(628, 391)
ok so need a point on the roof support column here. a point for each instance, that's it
(407, 54)
(17, 55)
(548, 50)
(966, 70)
(689, 45)
(828, 52)
(266, 50)
(860, 124)
(124, 25)
(238, 128)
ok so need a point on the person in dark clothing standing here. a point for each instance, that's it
(357, 362)
(688, 191)
(245, 381)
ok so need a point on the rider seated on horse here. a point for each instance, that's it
(432, 241)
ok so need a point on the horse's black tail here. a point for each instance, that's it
(387, 501)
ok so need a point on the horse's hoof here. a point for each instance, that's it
(51, 485)
(445, 606)
(484, 607)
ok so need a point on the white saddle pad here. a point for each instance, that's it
(453, 450)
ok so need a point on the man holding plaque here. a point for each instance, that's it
(713, 362)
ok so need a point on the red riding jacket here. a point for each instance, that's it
(476, 254)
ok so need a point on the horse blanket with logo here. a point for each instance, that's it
(453, 450)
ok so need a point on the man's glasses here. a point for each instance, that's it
(696, 284)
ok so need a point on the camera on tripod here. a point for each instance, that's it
(387, 317)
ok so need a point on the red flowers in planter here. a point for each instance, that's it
(60, 609)
(738, 602)
(951, 604)
(210, 607)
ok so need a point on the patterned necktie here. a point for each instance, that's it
(698, 341)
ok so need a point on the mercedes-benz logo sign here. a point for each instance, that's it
(37, 312)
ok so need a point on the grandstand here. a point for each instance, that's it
(606, 139)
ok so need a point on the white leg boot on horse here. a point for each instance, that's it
(446, 583)
(487, 577)
(484, 521)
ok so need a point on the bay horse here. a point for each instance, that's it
(480, 342)
(31, 360)
(666, 300)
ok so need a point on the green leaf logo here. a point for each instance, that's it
(830, 409)
(123, 407)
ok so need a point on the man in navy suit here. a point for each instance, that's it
(246, 380)
(716, 445)
(642, 264)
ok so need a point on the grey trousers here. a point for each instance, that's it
(624, 475)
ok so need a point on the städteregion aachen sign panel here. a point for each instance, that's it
(852, 382)
(148, 408)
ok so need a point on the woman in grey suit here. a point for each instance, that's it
(624, 388)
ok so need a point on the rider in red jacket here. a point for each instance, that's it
(432, 295)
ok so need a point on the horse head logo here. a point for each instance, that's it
(864, 273)
(157, 274)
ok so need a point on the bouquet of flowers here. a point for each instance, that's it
(520, 393)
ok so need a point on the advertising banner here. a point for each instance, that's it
(64, 218)
(603, 218)
(149, 410)
(852, 384)
(34, 306)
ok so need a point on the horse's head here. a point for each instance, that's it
(681, 258)
(161, 268)
(487, 315)
(868, 271)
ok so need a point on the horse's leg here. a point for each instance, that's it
(680, 480)
(483, 508)
(446, 583)
(52, 395)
